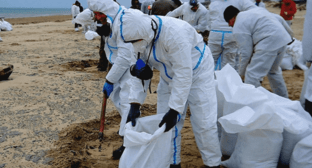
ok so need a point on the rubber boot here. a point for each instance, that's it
(308, 106)
(175, 166)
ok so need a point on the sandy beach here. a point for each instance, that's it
(50, 106)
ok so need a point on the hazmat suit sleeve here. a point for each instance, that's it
(179, 54)
(245, 44)
(285, 24)
(123, 60)
(202, 21)
(138, 92)
(177, 12)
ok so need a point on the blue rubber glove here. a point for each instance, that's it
(134, 113)
(170, 118)
(108, 88)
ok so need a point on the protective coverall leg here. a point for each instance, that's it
(223, 48)
(119, 97)
(203, 105)
(267, 63)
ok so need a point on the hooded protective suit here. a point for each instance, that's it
(75, 11)
(119, 54)
(197, 19)
(186, 78)
(221, 41)
(258, 31)
(307, 50)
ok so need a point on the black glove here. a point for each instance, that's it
(170, 118)
(134, 113)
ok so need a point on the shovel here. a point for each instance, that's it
(102, 119)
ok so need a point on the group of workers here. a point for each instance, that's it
(250, 38)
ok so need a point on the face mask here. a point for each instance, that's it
(104, 30)
(141, 70)
(140, 46)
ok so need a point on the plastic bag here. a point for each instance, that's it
(5, 26)
(287, 62)
(302, 154)
(259, 139)
(90, 35)
(146, 144)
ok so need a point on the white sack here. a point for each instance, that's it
(259, 139)
(146, 144)
(90, 35)
(5, 26)
(302, 154)
(256, 149)
(287, 62)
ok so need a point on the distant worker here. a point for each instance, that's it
(75, 11)
(221, 41)
(262, 40)
(288, 10)
(146, 5)
(135, 4)
(259, 3)
(307, 57)
(162, 7)
(194, 13)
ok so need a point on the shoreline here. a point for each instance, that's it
(38, 19)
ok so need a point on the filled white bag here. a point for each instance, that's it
(234, 95)
(287, 62)
(302, 154)
(90, 35)
(259, 139)
(5, 26)
(147, 145)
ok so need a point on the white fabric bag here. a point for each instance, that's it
(5, 26)
(147, 145)
(302, 154)
(90, 35)
(234, 95)
(259, 139)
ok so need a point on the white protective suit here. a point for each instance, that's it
(186, 78)
(221, 41)
(307, 49)
(258, 31)
(75, 11)
(119, 54)
(261, 4)
(197, 19)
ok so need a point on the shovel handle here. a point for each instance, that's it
(102, 119)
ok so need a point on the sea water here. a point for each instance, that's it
(32, 12)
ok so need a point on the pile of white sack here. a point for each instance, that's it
(260, 129)
(257, 129)
(292, 55)
(5, 26)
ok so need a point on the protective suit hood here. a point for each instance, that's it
(109, 7)
(142, 31)
(85, 17)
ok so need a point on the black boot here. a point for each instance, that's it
(308, 106)
(175, 166)
(117, 153)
